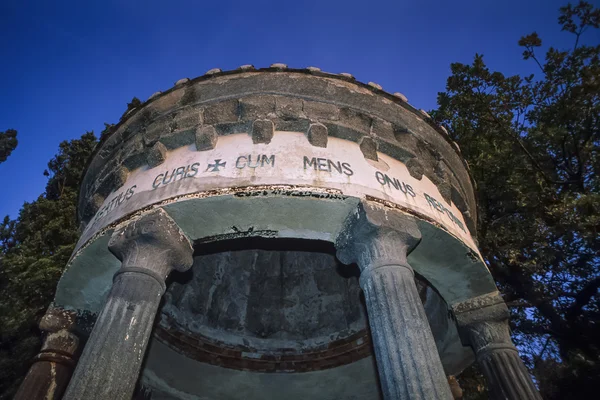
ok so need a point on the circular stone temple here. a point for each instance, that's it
(275, 233)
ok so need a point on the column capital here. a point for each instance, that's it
(483, 323)
(152, 244)
(376, 236)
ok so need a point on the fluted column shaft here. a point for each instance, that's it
(408, 362)
(483, 323)
(52, 368)
(407, 358)
(149, 247)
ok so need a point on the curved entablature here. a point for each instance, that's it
(328, 109)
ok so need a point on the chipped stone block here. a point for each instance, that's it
(415, 169)
(368, 146)
(356, 120)
(291, 124)
(156, 155)
(213, 71)
(157, 129)
(347, 75)
(262, 131)
(279, 66)
(182, 81)
(177, 139)
(206, 138)
(382, 129)
(187, 118)
(246, 67)
(113, 181)
(317, 135)
(254, 107)
(167, 101)
(321, 111)
(189, 96)
(444, 185)
(224, 111)
(313, 69)
(134, 154)
(375, 85)
(289, 107)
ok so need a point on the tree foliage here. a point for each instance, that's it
(34, 250)
(8, 142)
(532, 143)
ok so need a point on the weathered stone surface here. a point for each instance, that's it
(206, 138)
(114, 180)
(324, 99)
(368, 146)
(321, 111)
(356, 119)
(134, 154)
(149, 247)
(289, 107)
(253, 107)
(262, 131)
(378, 240)
(187, 118)
(287, 311)
(382, 129)
(225, 111)
(157, 155)
(317, 135)
(156, 129)
(415, 169)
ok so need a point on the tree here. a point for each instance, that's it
(8, 142)
(34, 250)
(533, 144)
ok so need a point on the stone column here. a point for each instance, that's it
(150, 247)
(409, 365)
(483, 324)
(52, 368)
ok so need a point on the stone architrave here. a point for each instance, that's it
(409, 365)
(52, 368)
(483, 324)
(150, 247)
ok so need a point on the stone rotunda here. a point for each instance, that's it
(275, 233)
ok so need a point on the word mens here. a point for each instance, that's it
(325, 164)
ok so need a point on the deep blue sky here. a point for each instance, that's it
(68, 67)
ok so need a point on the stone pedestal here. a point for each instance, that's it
(408, 363)
(483, 323)
(149, 247)
(52, 368)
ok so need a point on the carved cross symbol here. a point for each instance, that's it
(216, 165)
